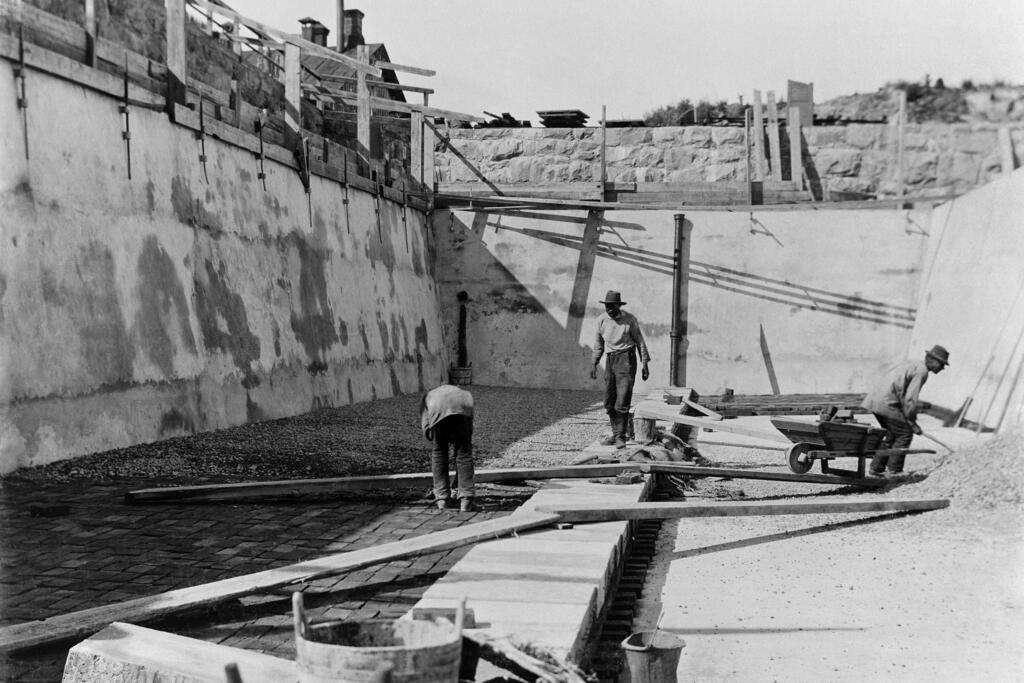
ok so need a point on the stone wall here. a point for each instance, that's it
(134, 310)
(938, 158)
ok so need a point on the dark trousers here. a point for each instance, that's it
(619, 375)
(455, 431)
(900, 435)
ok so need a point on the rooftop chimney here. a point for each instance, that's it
(353, 29)
(314, 31)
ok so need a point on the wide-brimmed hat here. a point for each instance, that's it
(613, 297)
(939, 353)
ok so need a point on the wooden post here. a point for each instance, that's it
(429, 141)
(584, 274)
(90, 33)
(363, 104)
(774, 145)
(292, 87)
(772, 379)
(900, 123)
(746, 149)
(604, 151)
(1006, 150)
(796, 165)
(177, 64)
(758, 132)
(416, 149)
(680, 302)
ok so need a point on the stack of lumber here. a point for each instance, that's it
(728, 405)
(563, 118)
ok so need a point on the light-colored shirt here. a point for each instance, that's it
(442, 402)
(615, 336)
(896, 394)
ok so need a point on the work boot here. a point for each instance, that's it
(441, 504)
(466, 505)
(616, 422)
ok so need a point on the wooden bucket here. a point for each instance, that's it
(460, 376)
(377, 651)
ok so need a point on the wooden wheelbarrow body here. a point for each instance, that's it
(824, 441)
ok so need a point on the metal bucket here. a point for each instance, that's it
(653, 656)
(395, 651)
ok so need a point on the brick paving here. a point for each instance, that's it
(99, 550)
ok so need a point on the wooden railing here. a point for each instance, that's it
(190, 101)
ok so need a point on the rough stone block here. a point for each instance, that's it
(920, 167)
(648, 155)
(125, 652)
(678, 158)
(837, 162)
(667, 134)
(865, 135)
(730, 135)
(717, 172)
(697, 136)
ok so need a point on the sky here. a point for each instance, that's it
(632, 56)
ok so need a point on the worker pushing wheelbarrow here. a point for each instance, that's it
(893, 402)
(832, 437)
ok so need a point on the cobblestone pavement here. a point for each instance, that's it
(68, 541)
(99, 551)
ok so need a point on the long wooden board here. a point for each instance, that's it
(209, 493)
(86, 622)
(661, 411)
(693, 471)
(575, 514)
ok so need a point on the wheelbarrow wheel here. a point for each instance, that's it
(799, 463)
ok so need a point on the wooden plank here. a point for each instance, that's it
(177, 53)
(758, 132)
(312, 48)
(578, 514)
(702, 409)
(329, 78)
(590, 240)
(58, 65)
(86, 622)
(660, 411)
(292, 92)
(772, 379)
(394, 105)
(901, 120)
(419, 71)
(90, 33)
(295, 487)
(774, 144)
(691, 471)
(796, 165)
(363, 105)
(416, 150)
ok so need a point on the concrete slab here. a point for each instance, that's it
(545, 588)
(125, 652)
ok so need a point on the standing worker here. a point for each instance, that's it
(446, 415)
(619, 336)
(894, 404)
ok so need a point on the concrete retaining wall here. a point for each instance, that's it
(973, 302)
(938, 158)
(136, 310)
(834, 290)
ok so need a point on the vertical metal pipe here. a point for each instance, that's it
(680, 302)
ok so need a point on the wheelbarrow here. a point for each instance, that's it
(825, 441)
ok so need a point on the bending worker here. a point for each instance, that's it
(620, 338)
(446, 415)
(894, 403)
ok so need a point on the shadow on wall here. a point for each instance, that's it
(748, 284)
(501, 312)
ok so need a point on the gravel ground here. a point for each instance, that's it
(512, 428)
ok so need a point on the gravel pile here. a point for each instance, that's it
(512, 428)
(981, 476)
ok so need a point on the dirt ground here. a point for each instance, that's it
(932, 596)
